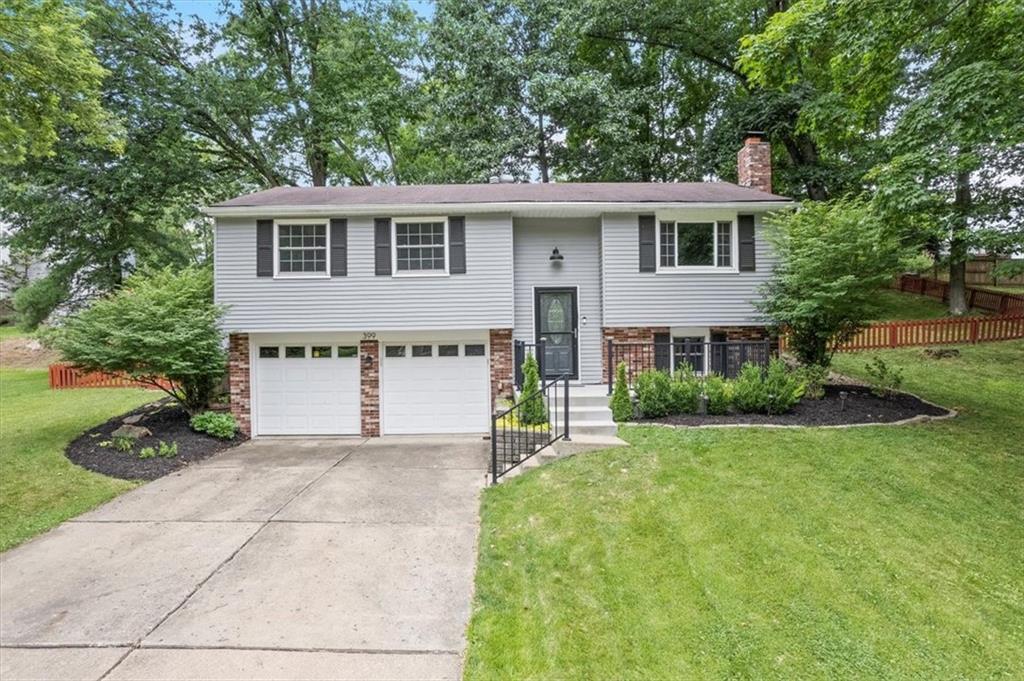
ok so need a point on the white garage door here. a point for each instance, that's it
(434, 388)
(310, 389)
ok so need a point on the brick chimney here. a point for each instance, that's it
(754, 162)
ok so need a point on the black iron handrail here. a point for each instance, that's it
(721, 357)
(513, 442)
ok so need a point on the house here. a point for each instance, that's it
(388, 310)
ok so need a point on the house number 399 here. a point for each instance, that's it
(369, 335)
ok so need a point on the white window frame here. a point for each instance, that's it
(675, 219)
(394, 247)
(278, 274)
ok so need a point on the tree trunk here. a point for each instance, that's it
(958, 246)
(542, 150)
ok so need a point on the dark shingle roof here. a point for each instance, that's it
(567, 192)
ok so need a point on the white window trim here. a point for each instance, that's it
(278, 274)
(734, 244)
(394, 247)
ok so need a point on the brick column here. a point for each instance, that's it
(502, 371)
(239, 389)
(754, 163)
(640, 360)
(369, 388)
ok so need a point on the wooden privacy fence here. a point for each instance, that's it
(932, 332)
(66, 376)
(1002, 303)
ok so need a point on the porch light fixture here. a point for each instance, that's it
(556, 257)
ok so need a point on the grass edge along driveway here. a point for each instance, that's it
(39, 487)
(879, 552)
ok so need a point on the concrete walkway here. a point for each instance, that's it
(280, 559)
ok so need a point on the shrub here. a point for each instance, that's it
(123, 443)
(218, 424)
(884, 380)
(533, 411)
(719, 393)
(750, 395)
(654, 393)
(621, 404)
(685, 391)
(159, 325)
(166, 450)
(814, 377)
(782, 388)
(147, 453)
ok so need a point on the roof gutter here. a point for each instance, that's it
(583, 207)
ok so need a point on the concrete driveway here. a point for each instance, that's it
(280, 559)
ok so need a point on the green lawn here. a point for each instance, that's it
(879, 552)
(39, 487)
(10, 331)
(896, 305)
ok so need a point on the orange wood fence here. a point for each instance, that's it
(1001, 303)
(933, 332)
(67, 376)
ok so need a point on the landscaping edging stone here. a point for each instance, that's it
(930, 412)
(166, 421)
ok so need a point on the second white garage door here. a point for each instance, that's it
(434, 388)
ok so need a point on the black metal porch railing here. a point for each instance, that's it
(725, 358)
(515, 437)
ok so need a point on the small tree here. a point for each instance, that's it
(833, 259)
(533, 411)
(160, 325)
(621, 404)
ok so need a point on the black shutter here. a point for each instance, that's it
(339, 247)
(264, 248)
(457, 245)
(648, 245)
(382, 245)
(748, 261)
(663, 351)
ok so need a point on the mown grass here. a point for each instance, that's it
(878, 552)
(39, 487)
(897, 305)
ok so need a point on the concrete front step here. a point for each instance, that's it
(585, 428)
(577, 413)
(587, 400)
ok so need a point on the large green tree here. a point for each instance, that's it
(940, 85)
(50, 79)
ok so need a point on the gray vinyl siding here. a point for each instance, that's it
(362, 301)
(633, 298)
(579, 240)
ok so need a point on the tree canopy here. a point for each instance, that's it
(125, 116)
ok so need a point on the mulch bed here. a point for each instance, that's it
(861, 407)
(168, 422)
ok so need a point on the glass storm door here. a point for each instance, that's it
(555, 311)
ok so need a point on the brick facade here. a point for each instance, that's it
(502, 369)
(640, 360)
(754, 163)
(742, 333)
(239, 388)
(369, 388)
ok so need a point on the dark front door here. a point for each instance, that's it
(555, 323)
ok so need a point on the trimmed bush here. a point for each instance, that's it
(749, 393)
(685, 391)
(782, 388)
(532, 412)
(814, 377)
(654, 393)
(621, 404)
(719, 394)
(885, 381)
(218, 424)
